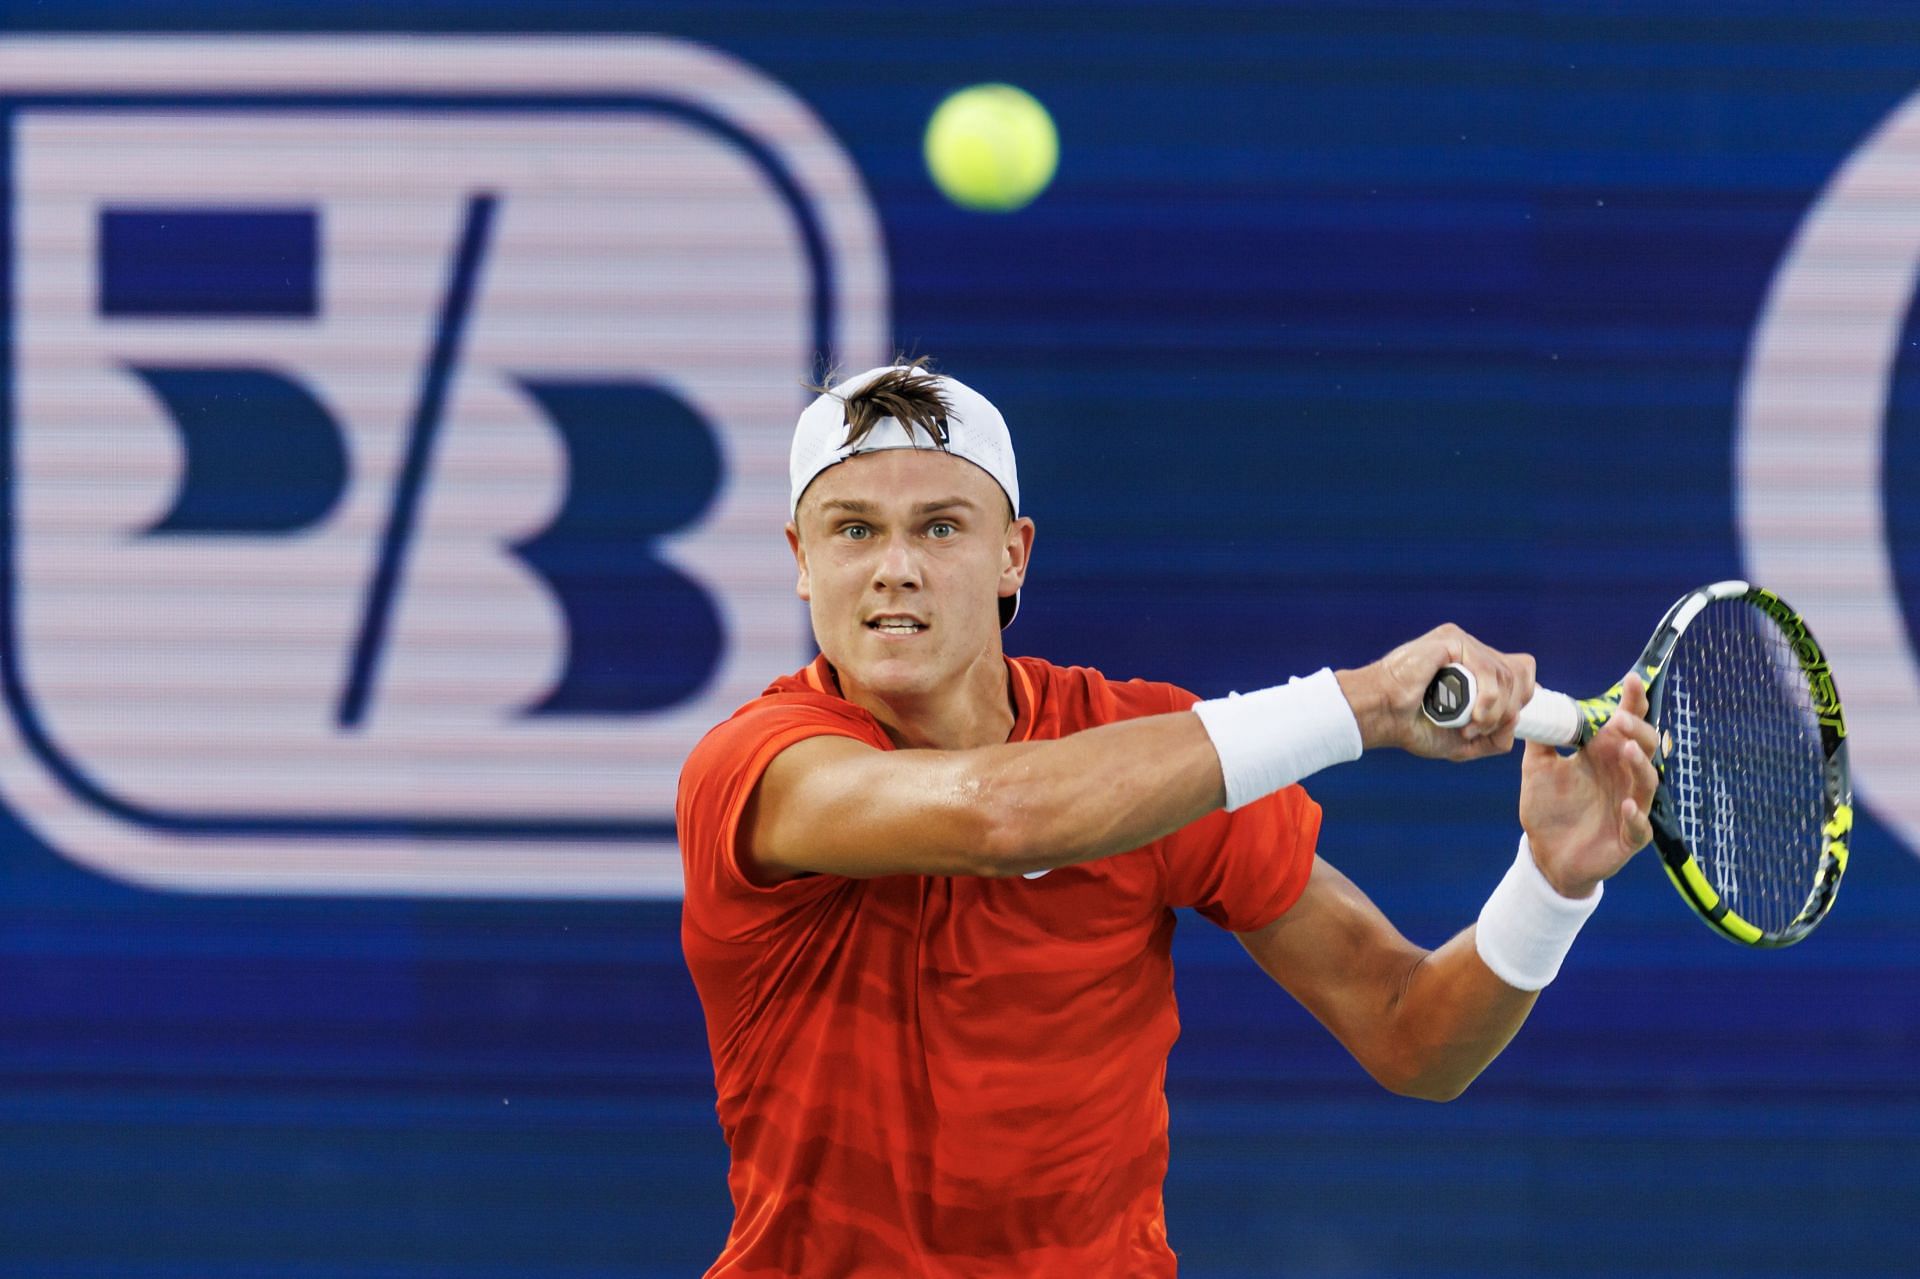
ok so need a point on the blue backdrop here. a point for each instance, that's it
(1339, 321)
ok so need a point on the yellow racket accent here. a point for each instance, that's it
(1693, 885)
(1838, 827)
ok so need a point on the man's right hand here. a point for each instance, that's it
(1385, 696)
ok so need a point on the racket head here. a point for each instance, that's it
(1754, 812)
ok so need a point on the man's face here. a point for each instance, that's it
(903, 556)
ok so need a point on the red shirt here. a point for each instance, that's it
(954, 1076)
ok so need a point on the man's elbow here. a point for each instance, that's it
(1429, 1089)
(1424, 1080)
(1006, 846)
(1007, 837)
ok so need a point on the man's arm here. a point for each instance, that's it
(1426, 1023)
(831, 805)
(1423, 1023)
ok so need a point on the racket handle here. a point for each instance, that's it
(1549, 717)
(1552, 719)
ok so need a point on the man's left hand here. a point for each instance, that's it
(1585, 814)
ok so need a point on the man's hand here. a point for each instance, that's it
(1385, 696)
(1586, 814)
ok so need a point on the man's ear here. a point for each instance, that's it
(803, 587)
(1016, 555)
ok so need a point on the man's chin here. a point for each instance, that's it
(891, 675)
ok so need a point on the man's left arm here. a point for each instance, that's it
(1426, 1023)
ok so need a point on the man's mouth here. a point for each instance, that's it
(896, 625)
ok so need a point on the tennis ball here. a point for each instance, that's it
(991, 148)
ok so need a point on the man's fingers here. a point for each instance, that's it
(1641, 778)
(1503, 684)
(1506, 685)
(1524, 678)
(1633, 695)
(1490, 744)
(1627, 722)
(1629, 775)
(1634, 825)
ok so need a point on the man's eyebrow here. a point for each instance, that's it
(855, 506)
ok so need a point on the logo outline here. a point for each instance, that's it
(835, 329)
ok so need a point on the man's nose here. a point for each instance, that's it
(898, 568)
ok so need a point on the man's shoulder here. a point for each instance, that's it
(792, 707)
(1077, 697)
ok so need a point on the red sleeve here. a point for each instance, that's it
(1244, 869)
(715, 784)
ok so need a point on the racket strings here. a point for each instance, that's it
(1745, 772)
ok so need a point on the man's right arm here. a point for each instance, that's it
(831, 805)
(835, 806)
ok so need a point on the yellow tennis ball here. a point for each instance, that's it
(991, 147)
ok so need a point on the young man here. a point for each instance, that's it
(930, 889)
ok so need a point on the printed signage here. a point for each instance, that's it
(397, 445)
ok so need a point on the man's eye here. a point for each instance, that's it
(857, 532)
(942, 529)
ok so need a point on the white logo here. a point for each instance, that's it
(1809, 451)
(398, 444)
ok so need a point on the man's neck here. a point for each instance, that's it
(976, 709)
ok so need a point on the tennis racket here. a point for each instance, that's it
(1755, 805)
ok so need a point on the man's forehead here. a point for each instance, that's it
(907, 480)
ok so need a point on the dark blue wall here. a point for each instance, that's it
(1338, 322)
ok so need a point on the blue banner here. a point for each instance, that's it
(396, 409)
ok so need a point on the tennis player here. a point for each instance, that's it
(930, 888)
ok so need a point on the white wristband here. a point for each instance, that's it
(1276, 736)
(1526, 928)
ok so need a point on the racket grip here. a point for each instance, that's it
(1549, 717)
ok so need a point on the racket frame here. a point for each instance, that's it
(1679, 861)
